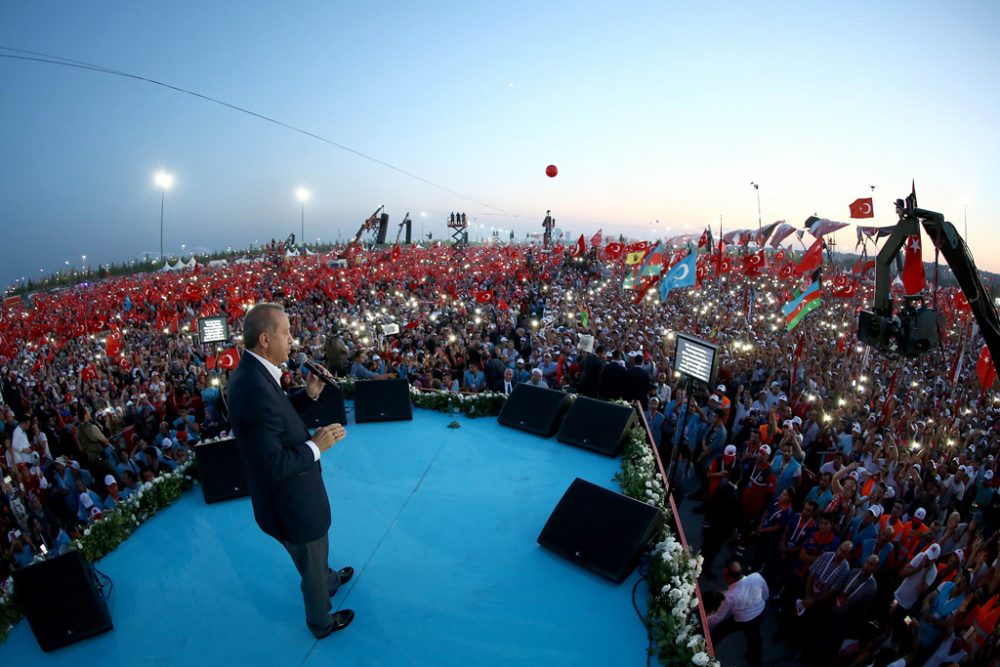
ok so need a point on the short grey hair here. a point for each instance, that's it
(260, 319)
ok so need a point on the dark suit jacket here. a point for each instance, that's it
(286, 485)
(637, 384)
(591, 375)
(613, 381)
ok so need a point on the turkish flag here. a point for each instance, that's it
(753, 264)
(579, 248)
(502, 304)
(228, 359)
(726, 265)
(913, 277)
(89, 372)
(557, 249)
(862, 208)
(484, 297)
(812, 259)
(210, 363)
(595, 240)
(396, 252)
(786, 272)
(124, 363)
(985, 369)
(113, 344)
(614, 250)
(780, 255)
(192, 292)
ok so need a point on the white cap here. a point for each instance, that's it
(730, 450)
(920, 513)
(988, 474)
(797, 420)
(536, 370)
(933, 551)
(86, 500)
(782, 397)
(787, 422)
(375, 357)
(765, 449)
(167, 443)
(109, 480)
(721, 388)
(876, 510)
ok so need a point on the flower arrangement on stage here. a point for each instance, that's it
(114, 527)
(673, 618)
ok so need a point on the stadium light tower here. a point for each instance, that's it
(163, 180)
(302, 195)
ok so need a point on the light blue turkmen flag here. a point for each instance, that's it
(682, 274)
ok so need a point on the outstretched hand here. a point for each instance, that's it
(327, 436)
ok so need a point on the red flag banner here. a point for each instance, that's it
(985, 369)
(484, 297)
(914, 280)
(811, 260)
(754, 264)
(89, 372)
(228, 359)
(614, 250)
(595, 240)
(862, 208)
(396, 252)
(579, 248)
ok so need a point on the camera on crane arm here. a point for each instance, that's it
(912, 328)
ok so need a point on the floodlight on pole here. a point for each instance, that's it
(163, 180)
(302, 195)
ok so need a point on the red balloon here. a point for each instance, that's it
(551, 171)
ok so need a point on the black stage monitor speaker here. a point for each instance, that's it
(328, 409)
(61, 600)
(597, 425)
(382, 401)
(221, 470)
(534, 409)
(601, 530)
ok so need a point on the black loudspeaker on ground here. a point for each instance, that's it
(328, 409)
(221, 470)
(382, 401)
(61, 600)
(601, 530)
(534, 409)
(597, 425)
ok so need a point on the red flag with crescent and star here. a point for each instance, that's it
(862, 208)
(914, 280)
(985, 369)
(228, 359)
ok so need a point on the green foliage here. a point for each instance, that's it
(104, 535)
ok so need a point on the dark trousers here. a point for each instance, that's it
(318, 582)
(751, 632)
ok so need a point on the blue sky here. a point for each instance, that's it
(652, 111)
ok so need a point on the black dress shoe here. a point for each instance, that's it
(345, 574)
(338, 621)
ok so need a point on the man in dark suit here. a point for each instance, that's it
(637, 382)
(286, 485)
(613, 378)
(591, 376)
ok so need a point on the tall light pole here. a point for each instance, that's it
(302, 195)
(756, 186)
(164, 181)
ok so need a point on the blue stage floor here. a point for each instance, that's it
(440, 525)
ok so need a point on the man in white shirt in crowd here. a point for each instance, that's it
(916, 578)
(742, 609)
(20, 441)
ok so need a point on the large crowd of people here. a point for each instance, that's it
(847, 493)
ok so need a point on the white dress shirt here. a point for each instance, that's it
(275, 372)
(22, 447)
(744, 599)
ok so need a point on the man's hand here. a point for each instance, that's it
(327, 436)
(314, 385)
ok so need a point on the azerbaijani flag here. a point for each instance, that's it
(802, 305)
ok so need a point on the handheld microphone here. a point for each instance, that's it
(301, 360)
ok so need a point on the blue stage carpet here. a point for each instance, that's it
(440, 525)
